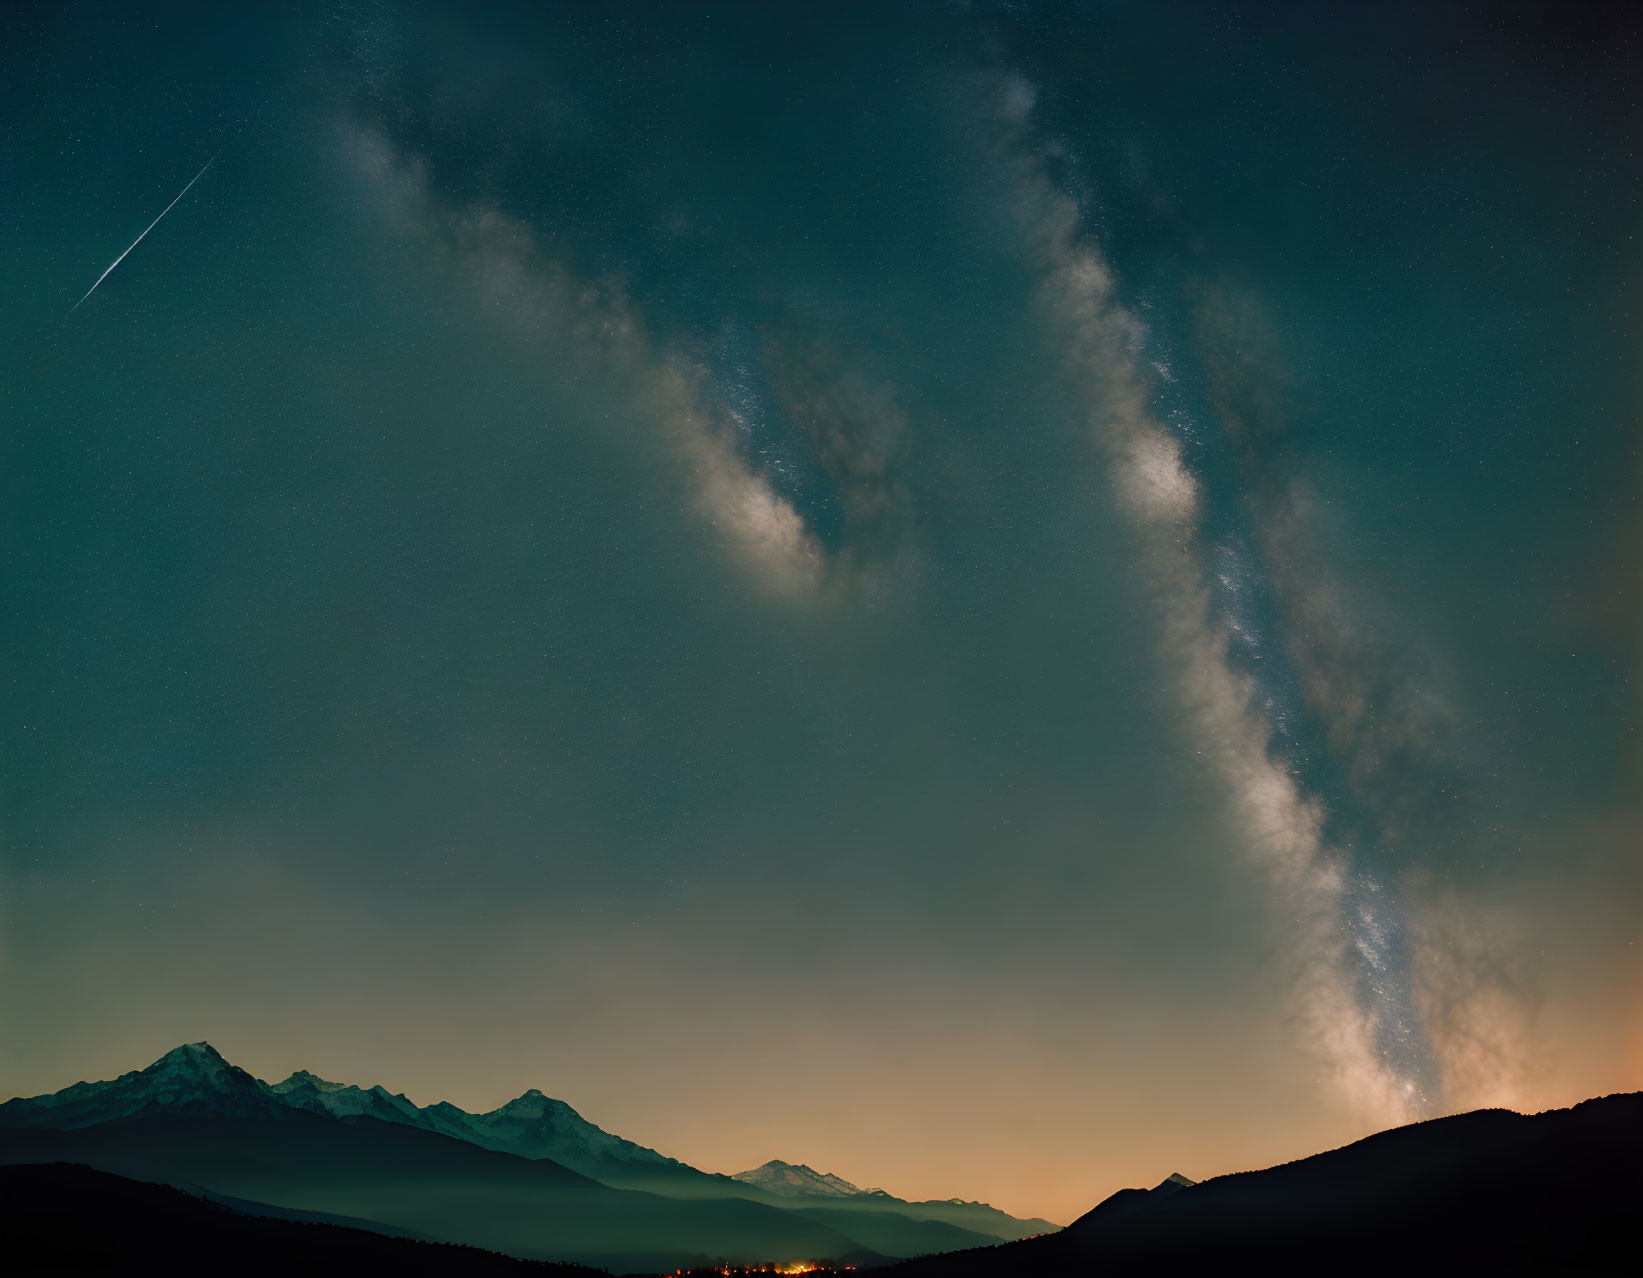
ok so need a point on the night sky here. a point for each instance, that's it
(1001, 599)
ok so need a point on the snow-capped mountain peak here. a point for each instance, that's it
(790, 1180)
(534, 1104)
(302, 1078)
(538, 1126)
(193, 1077)
(197, 1065)
(303, 1090)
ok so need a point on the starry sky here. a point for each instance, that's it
(1001, 599)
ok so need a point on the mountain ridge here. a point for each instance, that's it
(823, 1191)
(191, 1076)
(789, 1180)
(438, 1187)
(1560, 1191)
(188, 1118)
(532, 1125)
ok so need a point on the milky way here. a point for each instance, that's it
(1228, 631)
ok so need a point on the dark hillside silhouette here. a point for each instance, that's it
(61, 1218)
(1487, 1192)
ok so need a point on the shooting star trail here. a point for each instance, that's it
(139, 239)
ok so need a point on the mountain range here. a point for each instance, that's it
(311, 1176)
(531, 1178)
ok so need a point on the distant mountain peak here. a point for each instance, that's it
(790, 1180)
(302, 1078)
(1177, 1179)
(193, 1076)
(199, 1065)
(535, 1104)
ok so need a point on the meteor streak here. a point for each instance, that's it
(139, 239)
